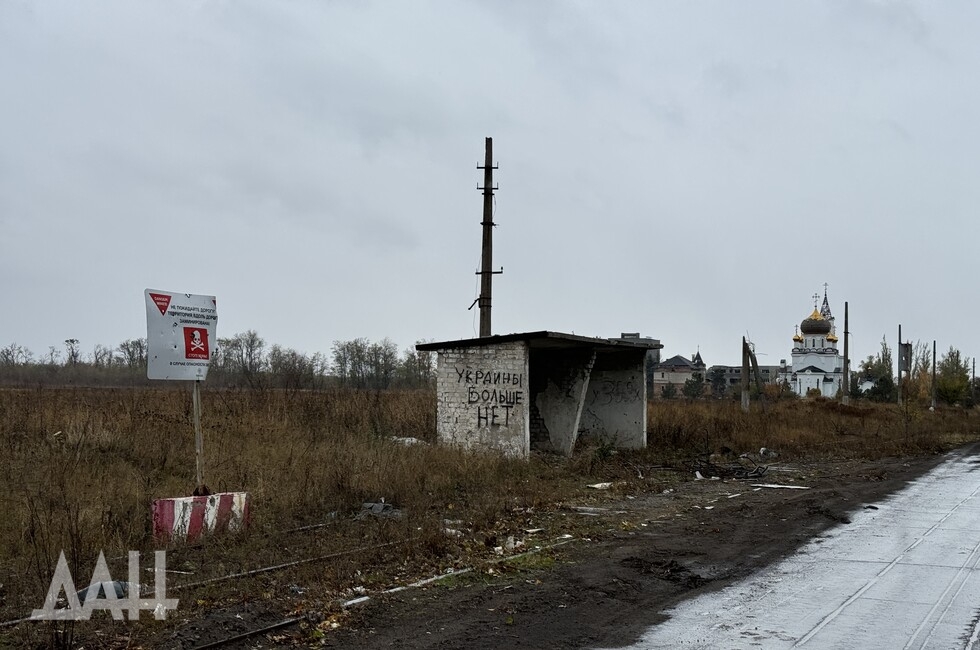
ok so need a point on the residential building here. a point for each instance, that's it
(675, 371)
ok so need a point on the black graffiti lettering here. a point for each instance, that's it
(615, 392)
(494, 396)
(487, 376)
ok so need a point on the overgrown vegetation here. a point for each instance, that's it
(81, 467)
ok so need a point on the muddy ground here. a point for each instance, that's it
(635, 556)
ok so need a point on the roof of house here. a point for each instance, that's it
(676, 362)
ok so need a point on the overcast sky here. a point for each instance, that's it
(694, 171)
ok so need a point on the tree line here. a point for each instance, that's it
(244, 360)
(954, 382)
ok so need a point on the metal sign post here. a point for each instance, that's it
(201, 488)
(180, 339)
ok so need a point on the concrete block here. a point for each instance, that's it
(187, 519)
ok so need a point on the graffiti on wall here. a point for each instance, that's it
(613, 391)
(494, 393)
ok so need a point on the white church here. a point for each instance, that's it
(817, 364)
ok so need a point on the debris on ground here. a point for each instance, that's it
(744, 468)
(379, 509)
(779, 485)
(595, 512)
(600, 486)
(408, 441)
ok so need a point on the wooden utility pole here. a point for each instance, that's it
(933, 374)
(846, 384)
(486, 273)
(745, 376)
(898, 362)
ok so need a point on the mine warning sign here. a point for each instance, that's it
(180, 334)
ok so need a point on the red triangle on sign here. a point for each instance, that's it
(162, 301)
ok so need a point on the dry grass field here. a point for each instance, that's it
(81, 467)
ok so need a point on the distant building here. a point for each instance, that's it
(731, 376)
(653, 353)
(817, 364)
(675, 371)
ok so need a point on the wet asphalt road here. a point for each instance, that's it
(903, 574)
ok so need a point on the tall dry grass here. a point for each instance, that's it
(816, 429)
(80, 468)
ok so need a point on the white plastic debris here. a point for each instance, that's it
(776, 486)
(600, 486)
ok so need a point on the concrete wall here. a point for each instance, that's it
(482, 397)
(559, 384)
(615, 407)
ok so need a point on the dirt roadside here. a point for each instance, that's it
(656, 550)
(632, 557)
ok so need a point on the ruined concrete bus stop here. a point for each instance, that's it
(541, 390)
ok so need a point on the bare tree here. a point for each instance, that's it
(15, 355)
(353, 362)
(383, 360)
(289, 368)
(73, 352)
(102, 356)
(133, 352)
(417, 367)
(244, 354)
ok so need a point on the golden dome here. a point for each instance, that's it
(815, 324)
(831, 337)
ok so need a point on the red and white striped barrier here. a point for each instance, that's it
(186, 519)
